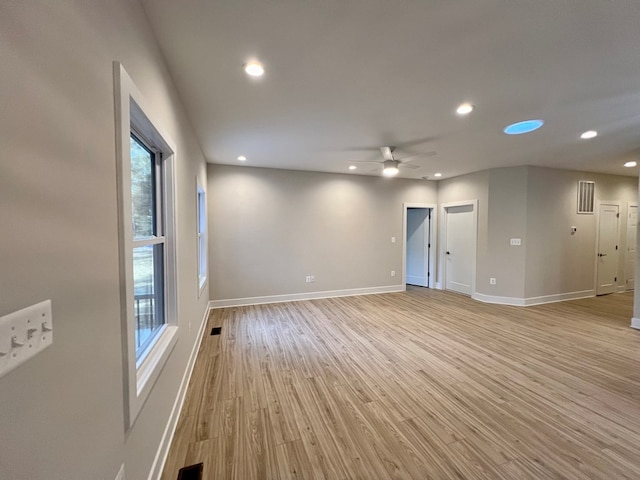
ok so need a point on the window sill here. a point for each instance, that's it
(152, 363)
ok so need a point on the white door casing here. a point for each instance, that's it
(630, 252)
(417, 264)
(607, 254)
(431, 259)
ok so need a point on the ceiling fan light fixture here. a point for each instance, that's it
(390, 168)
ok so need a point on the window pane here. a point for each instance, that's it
(148, 279)
(142, 190)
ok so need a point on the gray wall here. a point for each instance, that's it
(269, 229)
(558, 262)
(62, 412)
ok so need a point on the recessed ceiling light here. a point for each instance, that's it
(352, 167)
(254, 68)
(589, 134)
(437, 174)
(465, 109)
(523, 127)
(631, 164)
(242, 158)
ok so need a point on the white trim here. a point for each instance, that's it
(526, 302)
(297, 297)
(625, 255)
(635, 323)
(170, 429)
(443, 243)
(432, 240)
(132, 111)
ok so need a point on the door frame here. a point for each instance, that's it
(626, 245)
(443, 242)
(432, 241)
(599, 203)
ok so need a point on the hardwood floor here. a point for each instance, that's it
(418, 385)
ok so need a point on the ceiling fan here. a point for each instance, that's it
(391, 165)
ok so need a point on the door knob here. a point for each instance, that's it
(448, 253)
(602, 254)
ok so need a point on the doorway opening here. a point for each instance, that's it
(419, 245)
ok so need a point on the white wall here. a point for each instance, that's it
(61, 414)
(269, 229)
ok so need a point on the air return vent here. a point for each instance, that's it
(586, 194)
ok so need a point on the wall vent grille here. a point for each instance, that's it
(586, 195)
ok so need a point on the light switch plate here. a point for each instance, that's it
(24, 334)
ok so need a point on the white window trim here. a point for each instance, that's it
(202, 278)
(139, 376)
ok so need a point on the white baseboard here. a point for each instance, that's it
(170, 429)
(524, 302)
(295, 297)
(481, 297)
(635, 323)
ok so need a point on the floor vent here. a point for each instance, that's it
(216, 330)
(192, 472)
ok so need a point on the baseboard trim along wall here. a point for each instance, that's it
(172, 423)
(525, 302)
(635, 323)
(296, 297)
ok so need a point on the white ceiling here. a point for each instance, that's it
(344, 77)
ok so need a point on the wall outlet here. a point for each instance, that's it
(393, 273)
(492, 281)
(516, 241)
(24, 334)
(310, 278)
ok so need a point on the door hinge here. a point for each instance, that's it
(428, 245)
(617, 215)
(616, 247)
(615, 279)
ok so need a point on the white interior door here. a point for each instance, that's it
(607, 259)
(459, 248)
(630, 254)
(418, 225)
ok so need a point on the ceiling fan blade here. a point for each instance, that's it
(409, 166)
(387, 152)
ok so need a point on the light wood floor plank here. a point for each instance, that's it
(422, 384)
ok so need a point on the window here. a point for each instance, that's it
(148, 241)
(202, 236)
(148, 265)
